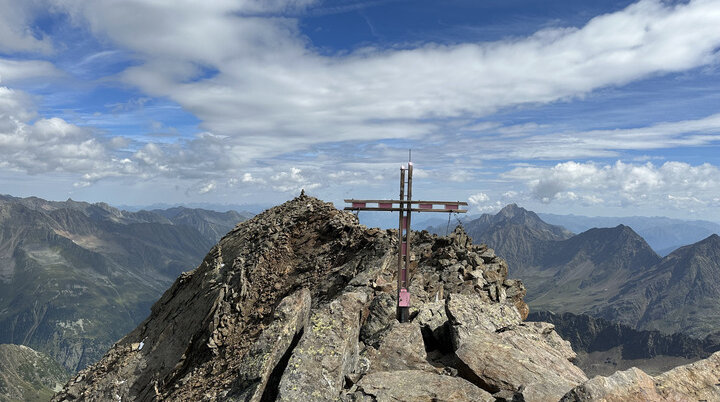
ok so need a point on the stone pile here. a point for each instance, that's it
(298, 304)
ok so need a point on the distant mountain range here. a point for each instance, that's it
(604, 347)
(607, 272)
(75, 277)
(664, 235)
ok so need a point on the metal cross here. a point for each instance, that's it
(405, 205)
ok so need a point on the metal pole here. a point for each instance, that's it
(398, 309)
(404, 306)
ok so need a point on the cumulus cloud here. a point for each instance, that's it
(292, 181)
(478, 198)
(247, 72)
(52, 145)
(46, 144)
(262, 91)
(676, 184)
(482, 203)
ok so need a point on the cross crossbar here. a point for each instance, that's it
(405, 205)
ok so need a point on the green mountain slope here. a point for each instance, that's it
(75, 277)
(28, 375)
(680, 293)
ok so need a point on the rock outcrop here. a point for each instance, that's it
(693, 382)
(298, 304)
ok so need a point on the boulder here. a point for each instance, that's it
(401, 348)
(431, 319)
(326, 353)
(692, 382)
(698, 381)
(518, 360)
(414, 385)
(498, 352)
(468, 313)
(381, 314)
(628, 385)
(290, 319)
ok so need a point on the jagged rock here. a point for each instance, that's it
(697, 380)
(431, 318)
(499, 353)
(381, 315)
(290, 320)
(327, 352)
(401, 348)
(414, 385)
(513, 359)
(628, 385)
(692, 382)
(468, 314)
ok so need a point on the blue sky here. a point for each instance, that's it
(594, 108)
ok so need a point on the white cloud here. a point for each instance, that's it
(292, 181)
(43, 145)
(674, 184)
(262, 90)
(15, 32)
(13, 71)
(208, 187)
(478, 198)
(270, 92)
(481, 203)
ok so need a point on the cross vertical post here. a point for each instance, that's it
(402, 250)
(405, 208)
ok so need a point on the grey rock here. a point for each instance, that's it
(327, 352)
(518, 358)
(290, 319)
(470, 313)
(692, 382)
(629, 385)
(431, 319)
(697, 380)
(498, 352)
(381, 315)
(401, 348)
(414, 385)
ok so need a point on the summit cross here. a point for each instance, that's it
(404, 206)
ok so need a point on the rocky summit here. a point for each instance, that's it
(298, 304)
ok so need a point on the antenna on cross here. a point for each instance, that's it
(405, 206)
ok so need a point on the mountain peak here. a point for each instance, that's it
(296, 280)
(511, 210)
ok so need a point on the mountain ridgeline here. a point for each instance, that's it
(604, 347)
(664, 235)
(75, 277)
(298, 304)
(608, 272)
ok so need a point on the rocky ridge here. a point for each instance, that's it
(298, 304)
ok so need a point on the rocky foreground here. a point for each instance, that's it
(298, 304)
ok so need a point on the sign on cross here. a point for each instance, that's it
(404, 206)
